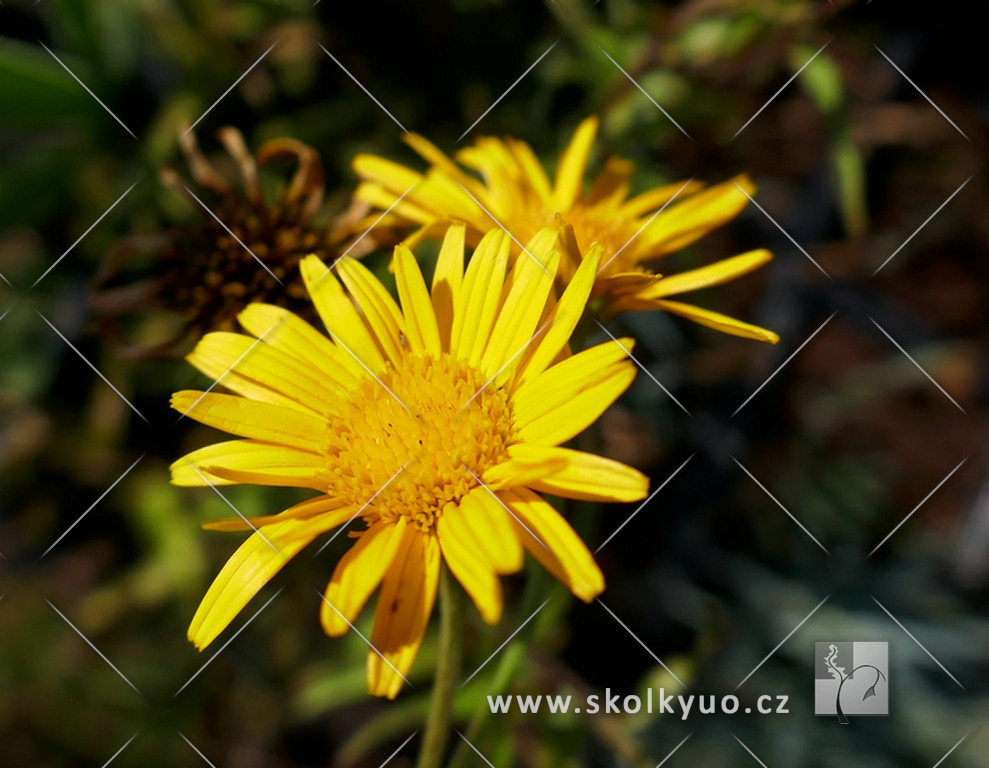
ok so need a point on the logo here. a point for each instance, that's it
(851, 679)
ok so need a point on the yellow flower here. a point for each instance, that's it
(517, 194)
(438, 421)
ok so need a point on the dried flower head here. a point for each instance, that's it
(246, 247)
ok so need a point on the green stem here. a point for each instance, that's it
(452, 609)
(509, 664)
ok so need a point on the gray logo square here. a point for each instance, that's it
(851, 678)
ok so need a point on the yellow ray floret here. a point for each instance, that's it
(514, 192)
(432, 423)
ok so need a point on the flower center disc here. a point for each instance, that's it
(432, 416)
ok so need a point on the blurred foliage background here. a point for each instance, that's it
(849, 436)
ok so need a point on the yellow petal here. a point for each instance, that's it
(433, 155)
(686, 221)
(289, 333)
(447, 199)
(565, 317)
(392, 176)
(467, 562)
(420, 320)
(447, 281)
(714, 274)
(570, 171)
(405, 209)
(551, 540)
(552, 423)
(404, 606)
(261, 463)
(249, 418)
(252, 566)
(479, 297)
(262, 372)
(611, 185)
(621, 283)
(584, 476)
(489, 522)
(358, 574)
(535, 175)
(717, 321)
(320, 505)
(556, 386)
(381, 313)
(523, 307)
(341, 317)
(650, 201)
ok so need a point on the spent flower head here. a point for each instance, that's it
(246, 246)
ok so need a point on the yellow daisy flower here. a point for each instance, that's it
(437, 420)
(516, 194)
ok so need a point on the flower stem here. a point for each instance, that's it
(452, 608)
